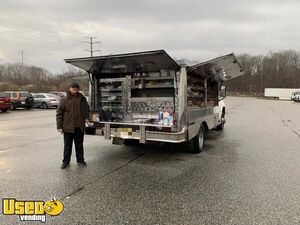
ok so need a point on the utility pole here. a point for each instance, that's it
(22, 69)
(92, 43)
(22, 55)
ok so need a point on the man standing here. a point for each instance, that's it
(71, 115)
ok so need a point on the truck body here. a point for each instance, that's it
(148, 97)
(280, 93)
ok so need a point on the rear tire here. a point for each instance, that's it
(4, 110)
(198, 141)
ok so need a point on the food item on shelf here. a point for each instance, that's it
(165, 73)
(166, 118)
(160, 118)
(95, 117)
(112, 98)
(195, 92)
(171, 119)
(154, 74)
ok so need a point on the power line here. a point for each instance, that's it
(36, 40)
(22, 69)
(40, 30)
(92, 42)
(28, 28)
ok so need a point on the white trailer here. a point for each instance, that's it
(280, 93)
(148, 97)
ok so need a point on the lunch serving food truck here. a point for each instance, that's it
(148, 97)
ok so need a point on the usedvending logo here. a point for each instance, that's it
(28, 210)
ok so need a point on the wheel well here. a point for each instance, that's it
(205, 126)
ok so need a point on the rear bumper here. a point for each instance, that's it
(142, 134)
(52, 104)
(23, 104)
(5, 106)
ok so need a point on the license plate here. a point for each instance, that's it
(23, 103)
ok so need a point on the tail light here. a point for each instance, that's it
(7, 100)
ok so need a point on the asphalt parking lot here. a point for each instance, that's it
(247, 174)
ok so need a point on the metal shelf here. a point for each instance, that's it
(112, 106)
(110, 89)
(147, 86)
(112, 94)
(155, 78)
(159, 86)
(111, 101)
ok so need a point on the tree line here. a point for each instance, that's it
(15, 76)
(279, 69)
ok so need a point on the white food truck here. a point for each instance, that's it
(147, 97)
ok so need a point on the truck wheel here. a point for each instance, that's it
(198, 141)
(222, 124)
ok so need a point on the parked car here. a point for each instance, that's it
(59, 93)
(46, 100)
(20, 99)
(4, 102)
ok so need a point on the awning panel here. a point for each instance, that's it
(150, 61)
(222, 68)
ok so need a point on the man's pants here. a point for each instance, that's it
(77, 136)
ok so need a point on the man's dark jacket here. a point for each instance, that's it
(72, 112)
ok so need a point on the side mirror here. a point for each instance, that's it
(222, 94)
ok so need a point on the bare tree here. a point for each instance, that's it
(274, 70)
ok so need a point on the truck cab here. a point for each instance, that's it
(220, 109)
(296, 96)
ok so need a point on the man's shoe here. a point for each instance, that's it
(82, 163)
(64, 165)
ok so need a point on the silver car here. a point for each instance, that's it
(46, 100)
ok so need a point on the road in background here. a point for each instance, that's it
(247, 174)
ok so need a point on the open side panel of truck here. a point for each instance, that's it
(221, 69)
(205, 81)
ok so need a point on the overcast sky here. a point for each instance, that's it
(50, 30)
